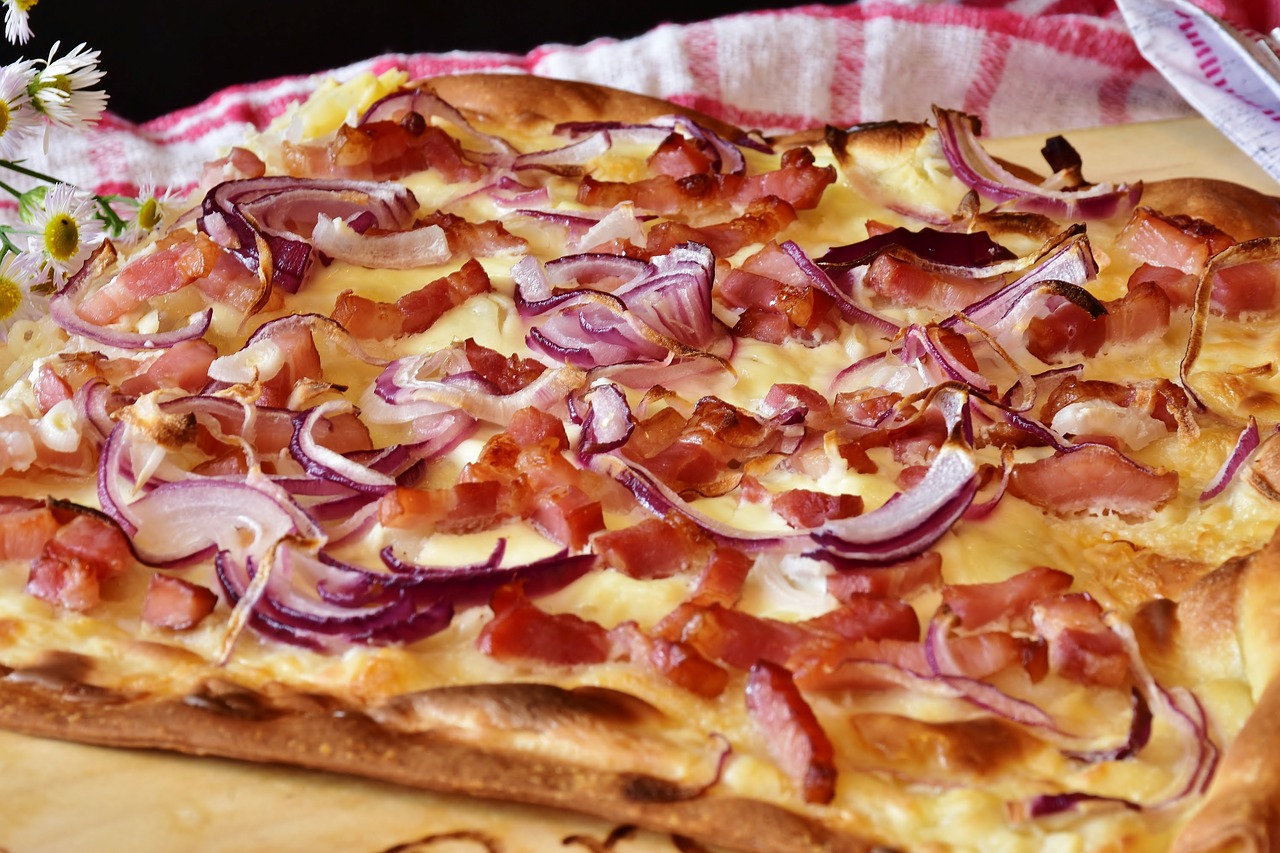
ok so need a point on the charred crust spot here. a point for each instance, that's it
(1156, 624)
(232, 700)
(66, 674)
(640, 788)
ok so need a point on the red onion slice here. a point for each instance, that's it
(851, 312)
(320, 461)
(192, 519)
(396, 250)
(1246, 443)
(977, 169)
(62, 310)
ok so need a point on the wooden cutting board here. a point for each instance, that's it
(66, 797)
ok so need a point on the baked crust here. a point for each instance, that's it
(1242, 812)
(318, 732)
(536, 104)
(1240, 211)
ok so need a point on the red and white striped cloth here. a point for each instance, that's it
(1023, 66)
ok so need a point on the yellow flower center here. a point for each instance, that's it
(26, 5)
(62, 237)
(10, 298)
(149, 215)
(4, 117)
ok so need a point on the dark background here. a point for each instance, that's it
(161, 55)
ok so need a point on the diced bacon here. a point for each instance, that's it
(1181, 242)
(237, 165)
(774, 309)
(1067, 332)
(301, 361)
(25, 532)
(723, 579)
(530, 426)
(984, 654)
(900, 282)
(477, 239)
(1142, 313)
(1179, 287)
(185, 366)
(792, 734)
(1093, 479)
(49, 388)
(739, 639)
(1244, 290)
(176, 604)
(806, 509)
(567, 515)
(797, 181)
(467, 507)
(383, 150)
(1006, 603)
(180, 260)
(869, 617)
(901, 580)
(679, 156)
(75, 562)
(1159, 398)
(520, 630)
(1081, 646)
(232, 283)
(342, 433)
(414, 312)
(679, 662)
(763, 219)
(507, 373)
(653, 548)
(864, 665)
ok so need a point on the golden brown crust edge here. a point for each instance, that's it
(536, 104)
(1240, 211)
(319, 733)
(1242, 811)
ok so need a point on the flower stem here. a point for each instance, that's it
(13, 191)
(14, 166)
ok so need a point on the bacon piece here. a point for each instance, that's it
(176, 604)
(567, 515)
(797, 181)
(49, 388)
(763, 219)
(984, 654)
(864, 665)
(414, 312)
(467, 507)
(1007, 602)
(653, 548)
(301, 361)
(791, 732)
(1242, 290)
(1159, 398)
(507, 373)
(179, 260)
(900, 282)
(1081, 646)
(679, 156)
(519, 630)
(1182, 242)
(775, 311)
(679, 662)
(237, 165)
(806, 509)
(232, 283)
(1142, 313)
(1179, 287)
(1093, 479)
(381, 151)
(1066, 332)
(25, 532)
(902, 580)
(869, 617)
(722, 580)
(739, 639)
(185, 366)
(477, 239)
(75, 562)
(531, 426)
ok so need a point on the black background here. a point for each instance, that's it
(160, 56)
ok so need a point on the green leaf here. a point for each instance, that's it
(31, 202)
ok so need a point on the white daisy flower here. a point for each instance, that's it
(61, 89)
(154, 211)
(65, 230)
(18, 274)
(19, 120)
(17, 26)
